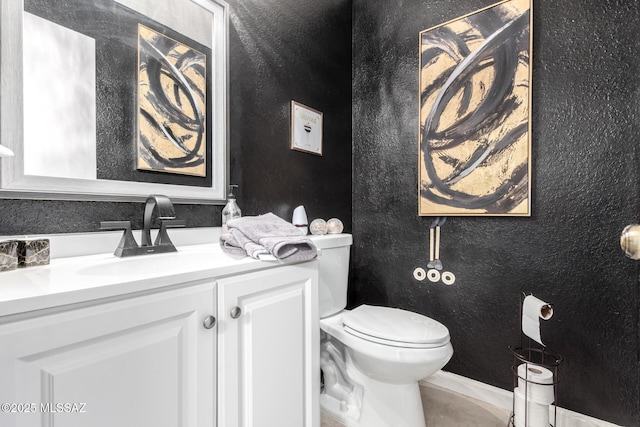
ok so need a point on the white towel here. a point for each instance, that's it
(267, 234)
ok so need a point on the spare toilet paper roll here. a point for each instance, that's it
(537, 382)
(529, 414)
(533, 310)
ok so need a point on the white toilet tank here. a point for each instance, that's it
(333, 265)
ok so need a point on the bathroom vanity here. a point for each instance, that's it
(193, 338)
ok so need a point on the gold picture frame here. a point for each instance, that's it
(475, 113)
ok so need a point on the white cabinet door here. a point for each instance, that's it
(146, 361)
(268, 348)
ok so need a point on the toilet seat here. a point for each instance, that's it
(395, 327)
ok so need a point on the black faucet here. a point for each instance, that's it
(165, 214)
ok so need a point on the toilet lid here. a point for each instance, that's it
(394, 326)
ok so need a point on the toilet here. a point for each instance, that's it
(371, 357)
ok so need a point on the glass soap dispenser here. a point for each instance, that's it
(231, 209)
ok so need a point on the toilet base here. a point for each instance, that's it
(383, 404)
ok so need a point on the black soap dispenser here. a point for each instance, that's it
(231, 209)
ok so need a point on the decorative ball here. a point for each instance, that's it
(334, 226)
(318, 226)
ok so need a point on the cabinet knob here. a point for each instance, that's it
(235, 312)
(209, 322)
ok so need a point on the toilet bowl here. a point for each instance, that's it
(372, 357)
(382, 361)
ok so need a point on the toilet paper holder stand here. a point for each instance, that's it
(532, 354)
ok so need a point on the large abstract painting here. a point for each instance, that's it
(171, 105)
(475, 103)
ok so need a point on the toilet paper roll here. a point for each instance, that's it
(529, 414)
(537, 382)
(534, 309)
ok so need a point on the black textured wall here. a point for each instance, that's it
(279, 50)
(283, 50)
(586, 118)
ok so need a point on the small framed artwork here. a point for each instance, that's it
(306, 129)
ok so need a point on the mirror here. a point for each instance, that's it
(114, 99)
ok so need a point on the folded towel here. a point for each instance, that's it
(266, 234)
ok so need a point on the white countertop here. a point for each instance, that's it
(85, 278)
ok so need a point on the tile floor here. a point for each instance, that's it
(444, 408)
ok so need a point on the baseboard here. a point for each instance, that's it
(503, 398)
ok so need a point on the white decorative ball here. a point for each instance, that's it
(334, 226)
(318, 226)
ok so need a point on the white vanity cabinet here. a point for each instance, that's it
(268, 348)
(99, 341)
(138, 361)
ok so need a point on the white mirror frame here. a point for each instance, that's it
(15, 184)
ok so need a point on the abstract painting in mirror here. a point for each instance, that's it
(172, 94)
